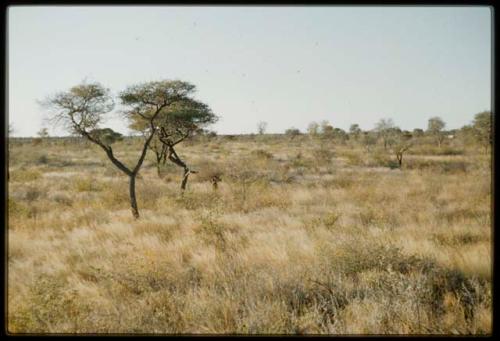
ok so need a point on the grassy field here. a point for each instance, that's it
(302, 236)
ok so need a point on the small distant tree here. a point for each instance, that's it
(395, 134)
(43, 133)
(82, 109)
(340, 134)
(482, 131)
(11, 129)
(400, 150)
(406, 134)
(417, 132)
(292, 132)
(313, 128)
(466, 135)
(261, 127)
(324, 126)
(385, 130)
(369, 139)
(402, 144)
(355, 131)
(107, 135)
(328, 131)
(435, 128)
(212, 134)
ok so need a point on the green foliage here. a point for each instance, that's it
(292, 132)
(42, 159)
(435, 125)
(355, 131)
(482, 127)
(261, 127)
(106, 136)
(43, 133)
(417, 132)
(81, 108)
(156, 93)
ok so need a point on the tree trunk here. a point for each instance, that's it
(133, 200)
(172, 156)
(158, 169)
(400, 159)
(185, 179)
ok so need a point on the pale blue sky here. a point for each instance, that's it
(287, 66)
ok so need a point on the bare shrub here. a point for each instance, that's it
(262, 154)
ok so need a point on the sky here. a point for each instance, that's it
(287, 66)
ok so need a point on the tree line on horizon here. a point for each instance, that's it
(480, 131)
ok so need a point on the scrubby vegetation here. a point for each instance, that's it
(302, 235)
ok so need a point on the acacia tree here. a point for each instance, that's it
(261, 127)
(313, 128)
(403, 143)
(292, 132)
(355, 131)
(43, 133)
(176, 123)
(435, 128)
(82, 108)
(340, 134)
(482, 128)
(385, 130)
(369, 139)
(327, 131)
(417, 132)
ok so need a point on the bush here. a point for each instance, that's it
(32, 194)
(42, 160)
(262, 154)
(382, 159)
(62, 199)
(36, 141)
(323, 155)
(212, 231)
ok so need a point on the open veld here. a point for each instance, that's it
(302, 235)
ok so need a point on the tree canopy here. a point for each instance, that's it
(481, 126)
(81, 108)
(179, 119)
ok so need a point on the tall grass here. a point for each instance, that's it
(297, 239)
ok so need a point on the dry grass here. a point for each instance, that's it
(301, 237)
